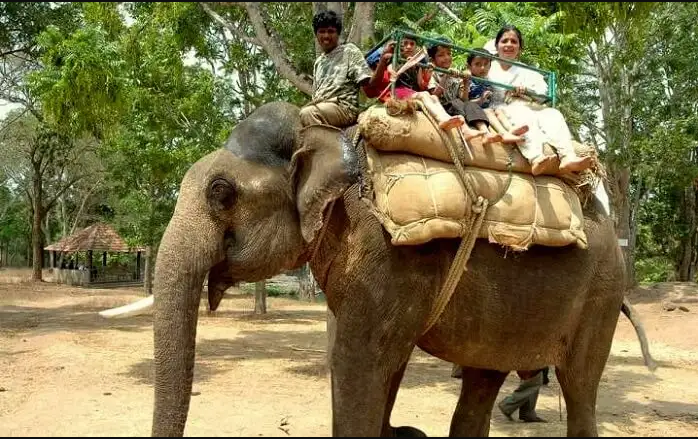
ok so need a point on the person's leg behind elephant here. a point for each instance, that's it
(524, 398)
(327, 113)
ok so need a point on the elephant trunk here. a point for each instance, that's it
(187, 251)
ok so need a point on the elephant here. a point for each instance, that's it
(277, 195)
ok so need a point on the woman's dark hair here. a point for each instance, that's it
(478, 53)
(431, 51)
(327, 19)
(505, 29)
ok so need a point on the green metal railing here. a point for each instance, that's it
(397, 35)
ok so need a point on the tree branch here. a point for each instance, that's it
(7, 125)
(67, 186)
(425, 19)
(226, 24)
(445, 9)
(13, 51)
(278, 57)
(82, 205)
(29, 196)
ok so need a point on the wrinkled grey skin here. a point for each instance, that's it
(246, 212)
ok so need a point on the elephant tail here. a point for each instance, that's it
(632, 315)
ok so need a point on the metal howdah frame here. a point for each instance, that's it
(398, 34)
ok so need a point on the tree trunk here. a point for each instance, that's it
(148, 280)
(260, 297)
(37, 232)
(685, 267)
(364, 24)
(307, 285)
(46, 225)
(64, 216)
(624, 223)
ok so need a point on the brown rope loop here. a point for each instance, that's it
(469, 233)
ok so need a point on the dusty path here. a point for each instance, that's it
(64, 371)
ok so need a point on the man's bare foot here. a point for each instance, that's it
(544, 164)
(519, 131)
(575, 164)
(491, 138)
(452, 122)
(507, 137)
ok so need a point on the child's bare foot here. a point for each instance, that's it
(507, 137)
(519, 131)
(491, 138)
(469, 133)
(452, 122)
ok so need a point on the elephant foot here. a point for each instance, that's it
(406, 431)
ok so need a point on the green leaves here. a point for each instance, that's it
(83, 85)
(22, 22)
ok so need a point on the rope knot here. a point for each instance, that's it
(479, 204)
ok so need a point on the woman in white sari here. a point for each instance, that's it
(546, 125)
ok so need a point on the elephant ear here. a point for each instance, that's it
(322, 168)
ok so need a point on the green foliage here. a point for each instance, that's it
(82, 85)
(14, 226)
(546, 45)
(654, 269)
(166, 86)
(154, 113)
(392, 15)
(22, 22)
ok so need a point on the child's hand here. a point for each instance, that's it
(520, 91)
(387, 54)
(486, 96)
(443, 81)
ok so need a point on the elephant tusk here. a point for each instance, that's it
(132, 309)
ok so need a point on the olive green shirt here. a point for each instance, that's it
(337, 75)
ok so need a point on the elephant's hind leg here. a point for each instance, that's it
(580, 392)
(478, 393)
(580, 373)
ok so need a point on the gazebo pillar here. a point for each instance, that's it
(104, 259)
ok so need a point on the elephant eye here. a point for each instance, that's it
(221, 194)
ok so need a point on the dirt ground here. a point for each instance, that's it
(64, 371)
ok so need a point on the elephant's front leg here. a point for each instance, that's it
(367, 362)
(477, 396)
